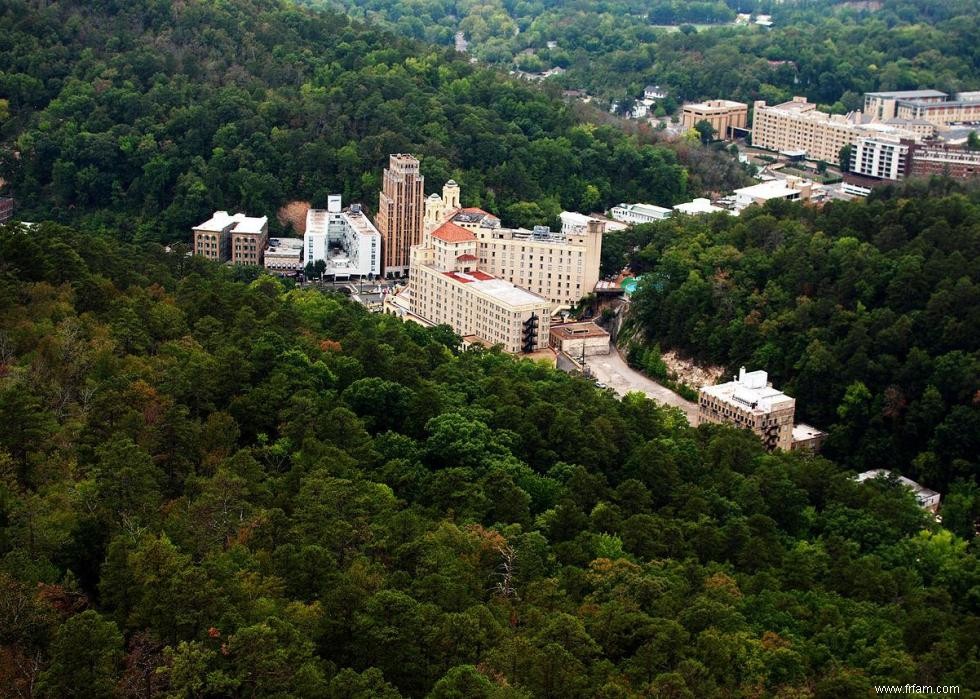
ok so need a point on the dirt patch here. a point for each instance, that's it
(689, 373)
(294, 213)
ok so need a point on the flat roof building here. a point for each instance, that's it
(345, 239)
(237, 238)
(696, 207)
(639, 213)
(284, 255)
(749, 401)
(789, 189)
(807, 438)
(723, 115)
(931, 106)
(447, 287)
(579, 340)
(927, 499)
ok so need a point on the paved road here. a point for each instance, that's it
(612, 370)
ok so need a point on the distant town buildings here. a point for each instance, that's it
(446, 286)
(723, 115)
(931, 106)
(798, 128)
(401, 210)
(654, 92)
(750, 402)
(927, 499)
(237, 238)
(639, 213)
(346, 241)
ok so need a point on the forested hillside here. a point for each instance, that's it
(832, 52)
(211, 486)
(868, 313)
(144, 117)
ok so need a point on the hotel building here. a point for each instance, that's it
(799, 128)
(559, 266)
(401, 209)
(723, 115)
(447, 287)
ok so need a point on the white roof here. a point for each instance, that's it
(573, 218)
(773, 189)
(318, 219)
(506, 292)
(803, 431)
(243, 224)
(921, 492)
(284, 245)
(751, 392)
(697, 206)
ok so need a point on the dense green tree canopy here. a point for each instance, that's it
(832, 51)
(144, 117)
(218, 486)
(866, 313)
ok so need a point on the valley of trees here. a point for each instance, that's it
(141, 118)
(832, 52)
(868, 313)
(213, 485)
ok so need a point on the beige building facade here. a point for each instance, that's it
(750, 402)
(723, 115)
(401, 210)
(799, 127)
(561, 266)
(447, 287)
(237, 238)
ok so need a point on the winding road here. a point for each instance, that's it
(612, 370)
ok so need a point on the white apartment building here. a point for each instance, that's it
(345, 240)
(882, 157)
(447, 287)
(639, 213)
(560, 266)
(574, 223)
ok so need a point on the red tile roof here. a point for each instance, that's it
(474, 210)
(451, 233)
(466, 258)
(475, 275)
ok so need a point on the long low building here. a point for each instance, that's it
(284, 255)
(447, 287)
(639, 213)
(580, 340)
(798, 126)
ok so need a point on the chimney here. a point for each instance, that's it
(741, 375)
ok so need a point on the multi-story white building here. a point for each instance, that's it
(881, 157)
(447, 287)
(639, 213)
(345, 240)
(560, 266)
